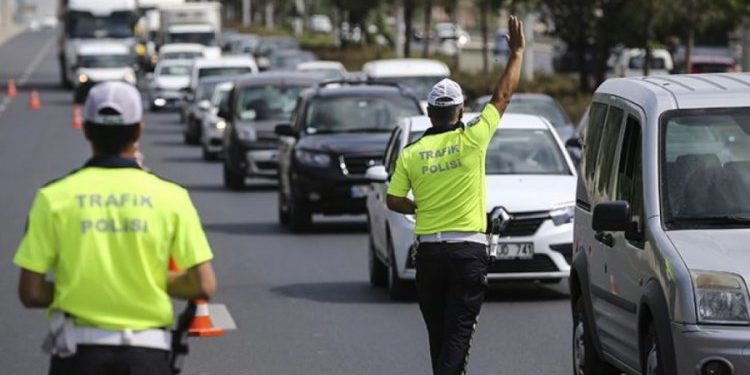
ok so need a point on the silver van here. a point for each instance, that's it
(662, 228)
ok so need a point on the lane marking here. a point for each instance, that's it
(35, 63)
(4, 104)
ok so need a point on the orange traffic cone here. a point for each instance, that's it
(77, 118)
(201, 324)
(34, 103)
(12, 92)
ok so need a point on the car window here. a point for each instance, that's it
(175, 70)
(219, 97)
(267, 102)
(205, 90)
(595, 125)
(181, 55)
(706, 167)
(392, 151)
(545, 108)
(636, 62)
(604, 160)
(525, 151)
(358, 114)
(421, 86)
(223, 71)
(630, 173)
(105, 61)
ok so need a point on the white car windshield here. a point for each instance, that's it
(358, 114)
(223, 71)
(105, 61)
(181, 55)
(175, 70)
(521, 152)
(706, 167)
(267, 103)
(204, 38)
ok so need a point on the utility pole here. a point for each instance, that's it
(399, 41)
(247, 12)
(426, 37)
(746, 44)
(527, 66)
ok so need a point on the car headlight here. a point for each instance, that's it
(720, 297)
(315, 159)
(129, 78)
(246, 134)
(220, 125)
(83, 78)
(563, 213)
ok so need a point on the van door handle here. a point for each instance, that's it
(605, 238)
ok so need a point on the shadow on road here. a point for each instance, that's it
(525, 292)
(169, 143)
(334, 292)
(161, 130)
(276, 228)
(183, 159)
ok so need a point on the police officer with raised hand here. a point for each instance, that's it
(108, 231)
(445, 172)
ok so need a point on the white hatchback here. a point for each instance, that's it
(529, 175)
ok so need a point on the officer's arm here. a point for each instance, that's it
(401, 205)
(34, 290)
(509, 80)
(197, 282)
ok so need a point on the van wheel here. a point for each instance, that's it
(398, 289)
(651, 355)
(585, 359)
(378, 271)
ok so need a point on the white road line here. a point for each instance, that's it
(35, 62)
(4, 104)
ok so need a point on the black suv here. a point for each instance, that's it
(338, 130)
(256, 105)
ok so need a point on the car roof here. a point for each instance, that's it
(181, 47)
(406, 68)
(101, 48)
(225, 61)
(272, 77)
(666, 92)
(320, 64)
(359, 90)
(508, 121)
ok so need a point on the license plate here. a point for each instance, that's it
(523, 250)
(360, 191)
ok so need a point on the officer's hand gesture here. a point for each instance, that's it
(515, 37)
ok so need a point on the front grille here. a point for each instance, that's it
(540, 263)
(357, 165)
(566, 249)
(267, 165)
(522, 224)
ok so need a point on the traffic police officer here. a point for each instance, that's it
(108, 231)
(445, 172)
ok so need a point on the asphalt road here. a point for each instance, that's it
(302, 302)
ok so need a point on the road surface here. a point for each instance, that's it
(302, 302)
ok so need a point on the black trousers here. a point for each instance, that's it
(451, 284)
(112, 360)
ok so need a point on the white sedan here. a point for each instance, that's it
(530, 177)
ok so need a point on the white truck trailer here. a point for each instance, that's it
(191, 23)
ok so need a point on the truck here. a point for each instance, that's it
(83, 21)
(149, 26)
(191, 23)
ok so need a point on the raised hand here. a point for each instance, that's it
(516, 39)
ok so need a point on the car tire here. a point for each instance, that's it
(651, 354)
(191, 137)
(233, 180)
(398, 289)
(300, 218)
(586, 360)
(377, 270)
(283, 209)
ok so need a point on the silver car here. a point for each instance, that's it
(213, 125)
(660, 266)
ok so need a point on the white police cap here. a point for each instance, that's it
(446, 93)
(113, 104)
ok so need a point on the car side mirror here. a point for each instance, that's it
(204, 105)
(376, 174)
(284, 130)
(574, 143)
(612, 217)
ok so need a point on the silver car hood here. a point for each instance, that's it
(529, 193)
(725, 250)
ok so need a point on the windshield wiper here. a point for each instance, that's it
(712, 220)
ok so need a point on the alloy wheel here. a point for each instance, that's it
(579, 348)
